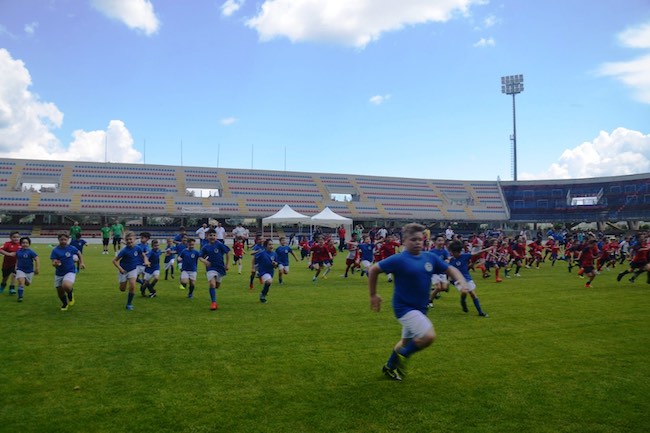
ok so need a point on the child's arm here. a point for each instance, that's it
(37, 265)
(116, 263)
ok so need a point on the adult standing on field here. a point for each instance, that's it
(221, 233)
(118, 233)
(75, 230)
(106, 237)
(412, 270)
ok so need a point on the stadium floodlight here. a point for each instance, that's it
(512, 85)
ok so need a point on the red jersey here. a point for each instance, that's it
(10, 247)
(389, 248)
(320, 253)
(238, 249)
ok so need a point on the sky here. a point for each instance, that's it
(403, 88)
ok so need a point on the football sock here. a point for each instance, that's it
(477, 304)
(213, 294)
(64, 299)
(12, 287)
(70, 295)
(20, 291)
(191, 288)
(252, 279)
(129, 298)
(392, 360)
(280, 279)
(266, 288)
(409, 349)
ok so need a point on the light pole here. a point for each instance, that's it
(511, 85)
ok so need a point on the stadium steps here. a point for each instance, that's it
(75, 203)
(66, 175)
(243, 208)
(322, 188)
(225, 187)
(36, 231)
(34, 201)
(180, 181)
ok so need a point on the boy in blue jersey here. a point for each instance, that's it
(266, 261)
(366, 251)
(282, 253)
(170, 258)
(62, 257)
(412, 270)
(152, 272)
(439, 282)
(461, 261)
(126, 262)
(27, 265)
(189, 260)
(257, 248)
(144, 246)
(79, 244)
(212, 256)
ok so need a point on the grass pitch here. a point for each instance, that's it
(554, 356)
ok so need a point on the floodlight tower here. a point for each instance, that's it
(512, 85)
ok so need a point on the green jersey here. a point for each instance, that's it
(106, 232)
(118, 229)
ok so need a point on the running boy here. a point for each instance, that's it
(212, 256)
(282, 252)
(412, 270)
(126, 261)
(27, 265)
(62, 257)
(461, 261)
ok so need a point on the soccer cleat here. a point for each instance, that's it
(190, 295)
(214, 306)
(483, 314)
(71, 301)
(12, 291)
(250, 286)
(181, 287)
(430, 305)
(390, 280)
(464, 307)
(619, 277)
(64, 307)
(391, 374)
(143, 292)
(129, 307)
(631, 280)
(498, 280)
(517, 275)
(20, 299)
(153, 295)
(262, 299)
(588, 285)
(401, 365)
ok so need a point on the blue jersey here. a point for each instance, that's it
(154, 261)
(282, 253)
(214, 253)
(130, 257)
(66, 256)
(443, 253)
(145, 249)
(189, 260)
(367, 251)
(78, 244)
(25, 260)
(264, 260)
(462, 264)
(170, 253)
(180, 248)
(412, 276)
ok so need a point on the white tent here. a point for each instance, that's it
(328, 218)
(285, 215)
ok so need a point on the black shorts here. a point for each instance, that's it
(105, 241)
(588, 269)
(116, 240)
(6, 272)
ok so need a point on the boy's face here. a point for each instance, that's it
(144, 239)
(283, 242)
(190, 245)
(413, 243)
(15, 238)
(155, 246)
(63, 241)
(170, 242)
(269, 246)
(130, 240)
(212, 237)
(24, 244)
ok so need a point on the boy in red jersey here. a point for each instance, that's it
(319, 255)
(639, 262)
(351, 260)
(389, 248)
(586, 259)
(238, 253)
(9, 250)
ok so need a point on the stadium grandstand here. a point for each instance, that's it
(71, 188)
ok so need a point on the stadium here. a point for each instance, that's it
(54, 191)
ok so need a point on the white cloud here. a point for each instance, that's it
(489, 42)
(228, 121)
(379, 99)
(136, 14)
(30, 28)
(231, 6)
(622, 152)
(490, 21)
(354, 23)
(26, 125)
(634, 73)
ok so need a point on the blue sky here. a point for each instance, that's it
(406, 88)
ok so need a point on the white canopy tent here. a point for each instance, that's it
(328, 218)
(286, 215)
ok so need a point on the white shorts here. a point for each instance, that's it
(471, 286)
(148, 276)
(366, 263)
(169, 264)
(415, 324)
(27, 276)
(214, 274)
(140, 269)
(122, 278)
(69, 277)
(266, 277)
(284, 268)
(439, 278)
(188, 275)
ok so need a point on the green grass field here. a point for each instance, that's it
(552, 357)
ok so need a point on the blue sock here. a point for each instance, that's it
(477, 304)
(266, 288)
(20, 291)
(409, 349)
(191, 288)
(463, 302)
(392, 360)
(213, 294)
(129, 299)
